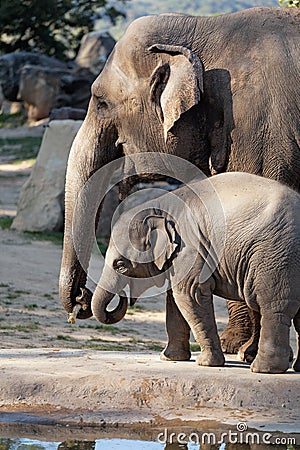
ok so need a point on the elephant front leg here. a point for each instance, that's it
(178, 330)
(198, 311)
(239, 327)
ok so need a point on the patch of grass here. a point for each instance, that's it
(102, 242)
(20, 149)
(5, 222)
(24, 328)
(3, 285)
(56, 237)
(109, 328)
(12, 120)
(135, 308)
(31, 306)
(15, 293)
(155, 347)
(63, 337)
(21, 292)
(18, 162)
(49, 296)
(195, 347)
(12, 295)
(108, 346)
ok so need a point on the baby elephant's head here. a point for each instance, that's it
(140, 250)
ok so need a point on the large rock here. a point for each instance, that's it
(94, 50)
(41, 201)
(44, 88)
(11, 65)
(38, 89)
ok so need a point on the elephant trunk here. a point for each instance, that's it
(101, 300)
(93, 147)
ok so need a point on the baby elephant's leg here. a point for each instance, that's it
(198, 311)
(178, 330)
(296, 321)
(273, 348)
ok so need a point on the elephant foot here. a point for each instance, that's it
(212, 359)
(248, 351)
(231, 341)
(263, 364)
(175, 354)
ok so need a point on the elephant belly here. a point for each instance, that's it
(227, 290)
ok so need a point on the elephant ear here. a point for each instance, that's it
(161, 237)
(176, 86)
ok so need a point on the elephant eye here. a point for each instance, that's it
(119, 266)
(101, 104)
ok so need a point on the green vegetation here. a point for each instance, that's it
(290, 3)
(50, 26)
(20, 149)
(107, 346)
(5, 222)
(195, 347)
(135, 308)
(109, 328)
(102, 242)
(31, 306)
(12, 120)
(63, 337)
(56, 237)
(24, 328)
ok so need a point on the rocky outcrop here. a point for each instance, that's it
(94, 50)
(44, 88)
(44, 83)
(12, 64)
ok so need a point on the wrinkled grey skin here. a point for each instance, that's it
(221, 92)
(259, 264)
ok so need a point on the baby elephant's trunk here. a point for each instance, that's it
(101, 300)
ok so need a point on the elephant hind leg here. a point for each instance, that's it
(296, 321)
(248, 351)
(273, 348)
(239, 327)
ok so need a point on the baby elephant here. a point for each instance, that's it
(235, 235)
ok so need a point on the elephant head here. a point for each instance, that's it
(139, 251)
(149, 81)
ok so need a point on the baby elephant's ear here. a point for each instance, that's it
(161, 236)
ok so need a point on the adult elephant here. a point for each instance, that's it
(221, 92)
